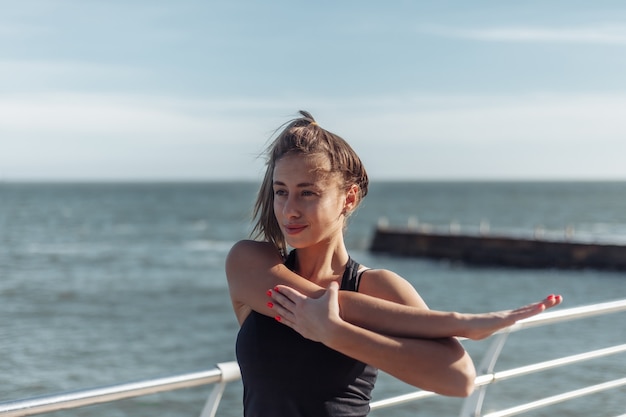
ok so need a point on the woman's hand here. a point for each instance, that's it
(313, 318)
(481, 326)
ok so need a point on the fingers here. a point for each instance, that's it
(281, 313)
(283, 302)
(281, 305)
(282, 292)
(552, 300)
(487, 324)
(548, 302)
(280, 297)
(536, 308)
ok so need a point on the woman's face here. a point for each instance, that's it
(309, 204)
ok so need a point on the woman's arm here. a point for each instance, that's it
(405, 321)
(438, 365)
(254, 267)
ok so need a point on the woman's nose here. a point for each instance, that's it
(290, 208)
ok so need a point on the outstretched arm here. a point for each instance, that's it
(254, 267)
(402, 320)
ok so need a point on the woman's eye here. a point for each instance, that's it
(280, 192)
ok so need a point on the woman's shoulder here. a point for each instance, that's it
(253, 248)
(381, 276)
(250, 255)
(388, 285)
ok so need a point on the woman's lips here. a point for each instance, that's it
(293, 229)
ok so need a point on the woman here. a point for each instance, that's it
(313, 182)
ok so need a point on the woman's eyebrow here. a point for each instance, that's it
(300, 185)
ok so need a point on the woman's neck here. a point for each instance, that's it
(322, 265)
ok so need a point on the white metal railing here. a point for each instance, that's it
(472, 407)
(221, 375)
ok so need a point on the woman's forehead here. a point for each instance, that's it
(302, 162)
(313, 167)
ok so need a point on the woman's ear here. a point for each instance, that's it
(352, 199)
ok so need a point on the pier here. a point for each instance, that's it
(536, 251)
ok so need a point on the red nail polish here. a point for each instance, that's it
(551, 296)
(269, 293)
(270, 305)
(277, 318)
(276, 289)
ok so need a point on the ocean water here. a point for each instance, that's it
(103, 283)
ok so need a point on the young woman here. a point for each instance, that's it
(309, 349)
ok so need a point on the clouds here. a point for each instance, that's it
(67, 114)
(570, 136)
(451, 136)
(196, 89)
(505, 136)
(604, 34)
(71, 135)
(35, 76)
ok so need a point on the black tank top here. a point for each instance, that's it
(286, 375)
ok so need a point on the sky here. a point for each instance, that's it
(153, 90)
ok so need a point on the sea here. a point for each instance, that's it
(106, 283)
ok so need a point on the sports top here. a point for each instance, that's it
(286, 375)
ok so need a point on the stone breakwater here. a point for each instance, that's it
(498, 250)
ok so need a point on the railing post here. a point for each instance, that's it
(472, 406)
(230, 372)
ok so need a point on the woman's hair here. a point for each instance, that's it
(303, 136)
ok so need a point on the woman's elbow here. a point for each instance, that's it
(458, 375)
(462, 378)
(455, 381)
(444, 368)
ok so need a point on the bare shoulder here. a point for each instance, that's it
(252, 248)
(246, 262)
(387, 285)
(251, 254)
